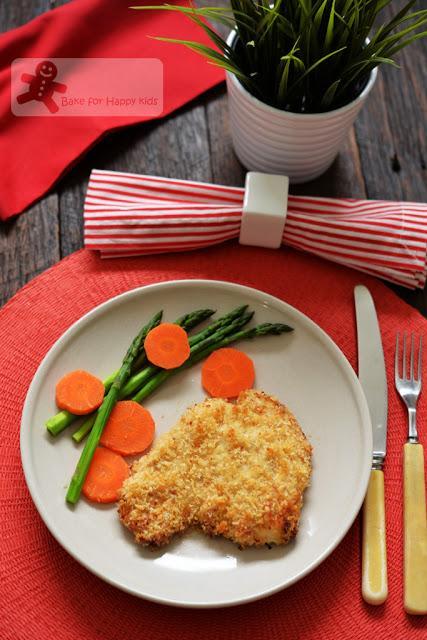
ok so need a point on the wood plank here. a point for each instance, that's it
(392, 140)
(29, 244)
(377, 148)
(15, 14)
(226, 168)
(406, 98)
(71, 192)
(390, 132)
(175, 147)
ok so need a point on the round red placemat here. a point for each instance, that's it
(44, 593)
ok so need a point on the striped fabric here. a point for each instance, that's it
(129, 215)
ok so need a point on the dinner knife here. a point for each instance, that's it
(372, 377)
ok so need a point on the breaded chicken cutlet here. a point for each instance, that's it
(235, 469)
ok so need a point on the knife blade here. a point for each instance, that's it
(373, 379)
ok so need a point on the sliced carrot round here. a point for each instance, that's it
(227, 372)
(167, 346)
(129, 430)
(79, 392)
(106, 474)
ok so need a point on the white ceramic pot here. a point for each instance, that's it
(299, 145)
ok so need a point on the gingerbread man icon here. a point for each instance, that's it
(42, 86)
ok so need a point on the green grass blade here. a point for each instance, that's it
(317, 64)
(330, 28)
(332, 59)
(329, 94)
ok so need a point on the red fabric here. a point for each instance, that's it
(36, 151)
(44, 593)
(128, 214)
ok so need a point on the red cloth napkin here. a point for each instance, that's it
(129, 214)
(45, 593)
(36, 151)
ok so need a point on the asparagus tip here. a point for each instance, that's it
(275, 328)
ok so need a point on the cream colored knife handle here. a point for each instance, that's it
(374, 555)
(415, 530)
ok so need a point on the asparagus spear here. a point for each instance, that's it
(103, 414)
(264, 329)
(226, 321)
(187, 322)
(63, 419)
(210, 335)
(206, 349)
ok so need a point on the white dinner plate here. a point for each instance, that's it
(304, 369)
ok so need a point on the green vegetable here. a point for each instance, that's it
(304, 56)
(63, 419)
(236, 318)
(102, 416)
(264, 329)
(187, 322)
(140, 378)
(223, 338)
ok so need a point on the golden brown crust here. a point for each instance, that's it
(234, 469)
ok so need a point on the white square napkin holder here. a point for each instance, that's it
(264, 210)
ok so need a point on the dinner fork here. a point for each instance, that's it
(414, 499)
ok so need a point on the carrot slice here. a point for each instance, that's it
(167, 346)
(106, 474)
(129, 430)
(227, 372)
(79, 392)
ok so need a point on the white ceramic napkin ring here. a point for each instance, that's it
(264, 210)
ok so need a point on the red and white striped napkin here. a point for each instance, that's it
(126, 214)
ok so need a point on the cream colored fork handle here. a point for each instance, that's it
(415, 530)
(374, 555)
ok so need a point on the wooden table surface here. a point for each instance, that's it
(385, 157)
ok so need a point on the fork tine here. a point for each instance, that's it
(396, 359)
(409, 386)
(404, 357)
